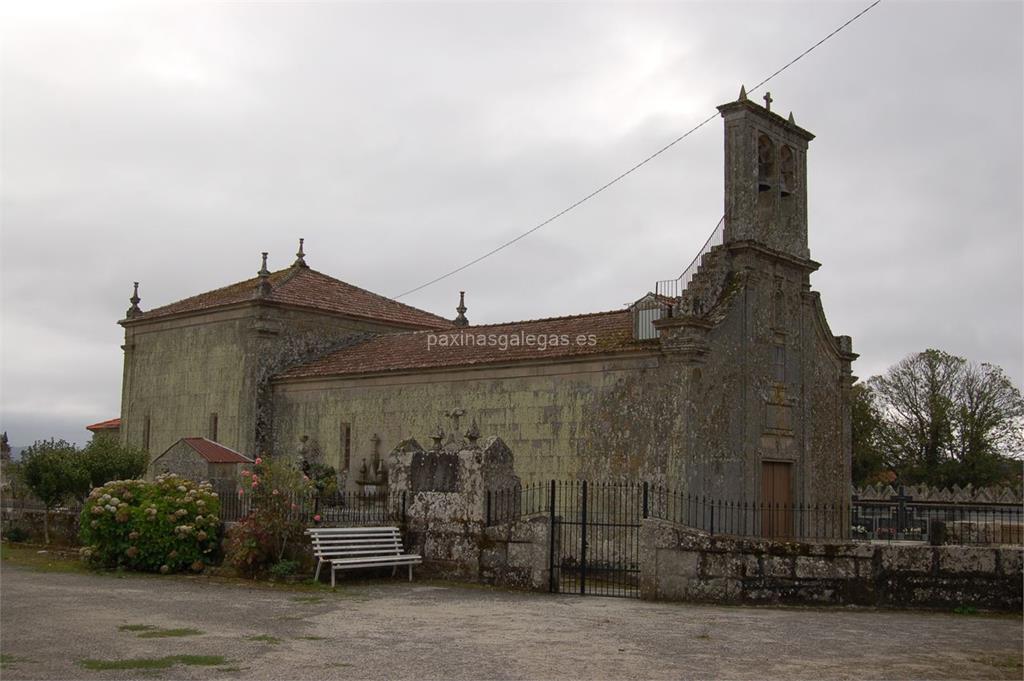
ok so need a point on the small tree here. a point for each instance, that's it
(106, 459)
(53, 470)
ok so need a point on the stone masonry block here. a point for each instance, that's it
(676, 564)
(778, 566)
(961, 559)
(906, 558)
(1011, 561)
(814, 567)
(722, 565)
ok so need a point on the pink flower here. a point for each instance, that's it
(316, 517)
(240, 491)
(246, 474)
(258, 461)
(255, 484)
(305, 478)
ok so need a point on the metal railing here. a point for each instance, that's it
(900, 519)
(673, 288)
(340, 508)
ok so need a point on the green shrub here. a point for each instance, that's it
(264, 537)
(16, 534)
(284, 568)
(168, 525)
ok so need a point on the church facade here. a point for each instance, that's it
(726, 382)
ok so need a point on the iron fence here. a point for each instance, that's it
(899, 519)
(340, 508)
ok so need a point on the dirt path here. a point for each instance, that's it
(396, 630)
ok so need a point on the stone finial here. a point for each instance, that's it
(263, 287)
(461, 309)
(792, 121)
(743, 94)
(768, 101)
(437, 436)
(134, 310)
(300, 257)
(473, 434)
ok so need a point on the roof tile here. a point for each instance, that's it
(214, 452)
(602, 332)
(306, 287)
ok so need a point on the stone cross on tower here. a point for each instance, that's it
(768, 101)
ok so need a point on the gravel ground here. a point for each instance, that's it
(390, 629)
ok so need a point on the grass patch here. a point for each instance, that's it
(136, 627)
(312, 638)
(265, 638)
(1001, 661)
(170, 633)
(965, 610)
(308, 599)
(154, 662)
(53, 560)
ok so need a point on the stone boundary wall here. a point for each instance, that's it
(679, 563)
(63, 524)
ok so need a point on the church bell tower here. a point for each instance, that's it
(765, 177)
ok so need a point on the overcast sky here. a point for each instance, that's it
(171, 143)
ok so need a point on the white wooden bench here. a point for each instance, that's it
(348, 548)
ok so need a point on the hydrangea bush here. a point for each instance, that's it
(168, 525)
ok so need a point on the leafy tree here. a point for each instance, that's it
(106, 459)
(947, 421)
(53, 470)
(869, 460)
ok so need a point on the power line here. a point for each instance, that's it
(639, 165)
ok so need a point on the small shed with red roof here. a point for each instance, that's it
(198, 458)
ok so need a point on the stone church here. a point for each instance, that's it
(724, 382)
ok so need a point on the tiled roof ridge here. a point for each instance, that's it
(360, 288)
(471, 327)
(238, 284)
(191, 439)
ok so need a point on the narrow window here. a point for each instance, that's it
(787, 168)
(213, 426)
(145, 434)
(779, 308)
(765, 163)
(346, 445)
(779, 363)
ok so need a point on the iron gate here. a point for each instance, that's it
(595, 537)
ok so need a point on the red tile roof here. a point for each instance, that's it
(308, 288)
(214, 452)
(612, 333)
(110, 424)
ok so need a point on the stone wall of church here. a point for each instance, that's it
(178, 372)
(544, 412)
